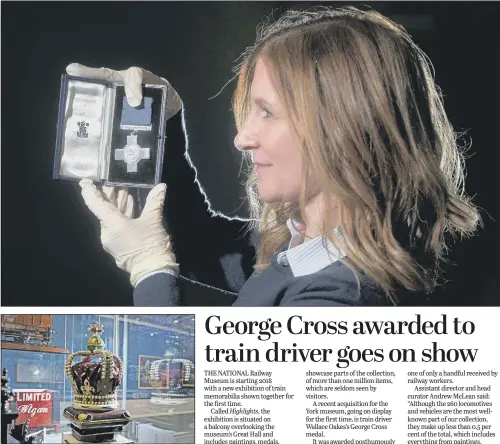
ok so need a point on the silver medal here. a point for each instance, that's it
(132, 153)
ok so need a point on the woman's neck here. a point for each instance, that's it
(314, 216)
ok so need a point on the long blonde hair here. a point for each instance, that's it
(362, 98)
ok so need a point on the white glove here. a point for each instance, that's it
(132, 79)
(140, 245)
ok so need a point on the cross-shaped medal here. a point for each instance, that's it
(132, 153)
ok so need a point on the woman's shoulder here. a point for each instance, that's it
(336, 284)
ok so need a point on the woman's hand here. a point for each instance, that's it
(132, 78)
(140, 245)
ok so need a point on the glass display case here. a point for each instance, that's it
(158, 371)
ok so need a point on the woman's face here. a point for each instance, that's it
(268, 135)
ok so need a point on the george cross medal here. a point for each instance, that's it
(132, 153)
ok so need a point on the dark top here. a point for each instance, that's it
(334, 286)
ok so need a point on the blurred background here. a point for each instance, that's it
(51, 254)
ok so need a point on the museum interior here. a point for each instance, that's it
(98, 378)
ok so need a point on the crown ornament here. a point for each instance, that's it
(169, 387)
(96, 377)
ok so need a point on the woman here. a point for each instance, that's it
(356, 178)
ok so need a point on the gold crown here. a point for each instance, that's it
(97, 376)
